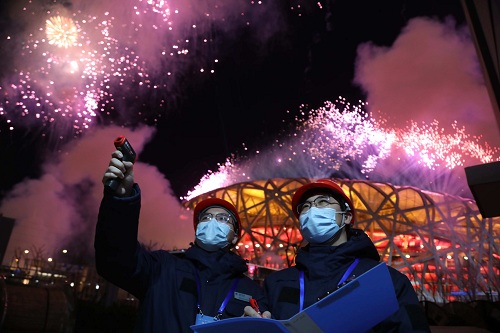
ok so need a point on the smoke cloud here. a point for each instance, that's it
(59, 210)
(431, 72)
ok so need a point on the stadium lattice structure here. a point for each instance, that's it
(441, 242)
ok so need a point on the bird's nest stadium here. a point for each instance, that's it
(441, 242)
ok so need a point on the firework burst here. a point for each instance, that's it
(73, 68)
(70, 72)
(342, 140)
(61, 31)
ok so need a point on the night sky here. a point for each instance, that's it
(308, 58)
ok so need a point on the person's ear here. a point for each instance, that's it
(232, 237)
(235, 238)
(348, 217)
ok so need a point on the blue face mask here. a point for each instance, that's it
(212, 235)
(319, 224)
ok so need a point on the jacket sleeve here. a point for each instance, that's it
(116, 246)
(411, 316)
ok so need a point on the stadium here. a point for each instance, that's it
(441, 242)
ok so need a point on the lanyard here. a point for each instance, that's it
(226, 299)
(342, 280)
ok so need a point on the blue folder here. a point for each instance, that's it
(355, 307)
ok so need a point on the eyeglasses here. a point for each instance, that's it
(319, 202)
(219, 217)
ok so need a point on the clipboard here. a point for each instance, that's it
(355, 307)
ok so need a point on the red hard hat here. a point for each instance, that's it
(326, 184)
(210, 202)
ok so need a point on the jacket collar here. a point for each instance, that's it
(326, 260)
(216, 264)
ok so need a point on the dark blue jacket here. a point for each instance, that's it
(166, 284)
(324, 267)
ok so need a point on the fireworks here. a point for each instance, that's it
(76, 68)
(80, 67)
(73, 68)
(105, 61)
(342, 140)
(70, 72)
(61, 31)
(160, 7)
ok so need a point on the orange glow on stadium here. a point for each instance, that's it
(441, 242)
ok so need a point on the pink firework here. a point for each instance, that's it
(342, 140)
(67, 87)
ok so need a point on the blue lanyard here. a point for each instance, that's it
(226, 299)
(342, 280)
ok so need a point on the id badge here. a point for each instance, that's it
(202, 319)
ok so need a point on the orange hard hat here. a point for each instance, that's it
(211, 202)
(328, 185)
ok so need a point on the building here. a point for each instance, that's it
(441, 242)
